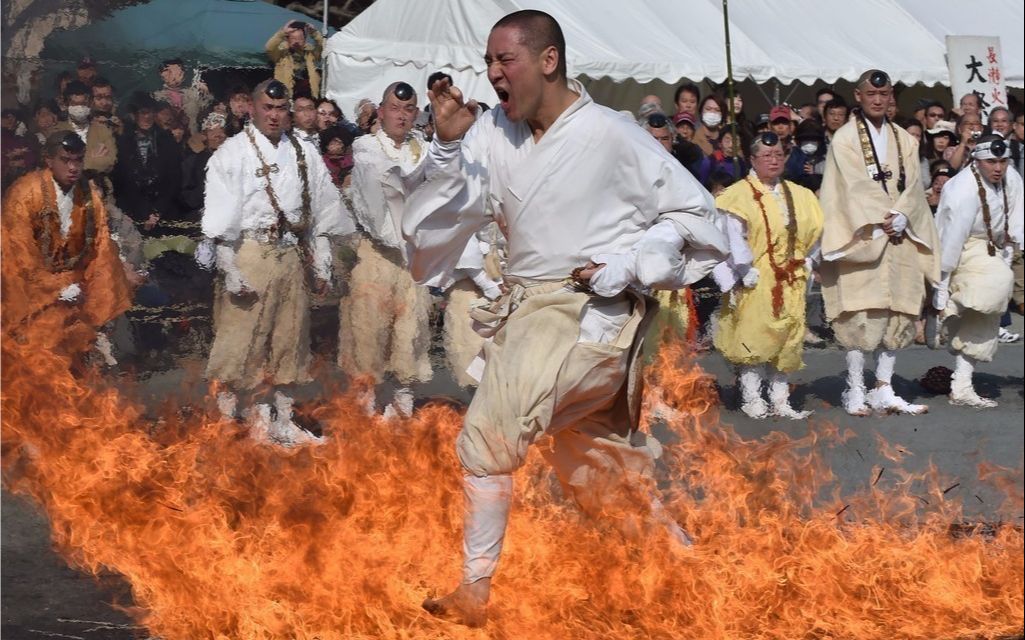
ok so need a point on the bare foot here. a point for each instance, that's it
(467, 605)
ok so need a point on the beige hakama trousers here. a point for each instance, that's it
(462, 343)
(383, 322)
(266, 339)
(583, 398)
(980, 288)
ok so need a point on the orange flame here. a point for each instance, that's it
(222, 538)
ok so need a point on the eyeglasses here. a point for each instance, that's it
(276, 90)
(879, 79)
(403, 91)
(657, 121)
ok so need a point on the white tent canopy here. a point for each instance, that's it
(670, 40)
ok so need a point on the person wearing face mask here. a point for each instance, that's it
(100, 148)
(711, 114)
(807, 159)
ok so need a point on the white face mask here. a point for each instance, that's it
(79, 114)
(809, 148)
(711, 118)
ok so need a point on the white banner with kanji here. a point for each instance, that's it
(975, 67)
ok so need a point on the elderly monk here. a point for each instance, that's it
(878, 244)
(577, 189)
(774, 227)
(62, 276)
(980, 222)
(269, 207)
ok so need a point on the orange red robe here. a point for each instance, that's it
(38, 263)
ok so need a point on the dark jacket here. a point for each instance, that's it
(144, 186)
(193, 184)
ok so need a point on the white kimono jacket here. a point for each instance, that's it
(236, 199)
(592, 185)
(959, 215)
(382, 177)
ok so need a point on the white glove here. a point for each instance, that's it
(750, 279)
(488, 287)
(322, 258)
(233, 280)
(941, 295)
(615, 276)
(205, 254)
(899, 222)
(70, 293)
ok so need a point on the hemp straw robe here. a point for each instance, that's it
(384, 323)
(749, 333)
(873, 289)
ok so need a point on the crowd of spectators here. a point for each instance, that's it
(149, 151)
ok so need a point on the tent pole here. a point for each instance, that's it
(323, 72)
(324, 19)
(732, 118)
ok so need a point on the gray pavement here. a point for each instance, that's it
(42, 597)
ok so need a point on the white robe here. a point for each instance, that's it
(959, 215)
(382, 177)
(236, 199)
(593, 184)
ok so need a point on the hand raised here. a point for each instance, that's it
(452, 116)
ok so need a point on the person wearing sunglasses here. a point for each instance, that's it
(774, 227)
(980, 221)
(383, 323)
(879, 245)
(595, 213)
(270, 208)
(62, 275)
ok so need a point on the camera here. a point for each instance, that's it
(976, 135)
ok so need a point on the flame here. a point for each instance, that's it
(222, 538)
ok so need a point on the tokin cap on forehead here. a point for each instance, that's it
(276, 89)
(875, 78)
(991, 149)
(67, 140)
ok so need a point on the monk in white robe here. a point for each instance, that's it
(384, 328)
(270, 208)
(577, 189)
(980, 222)
(878, 244)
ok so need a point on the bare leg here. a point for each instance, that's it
(486, 514)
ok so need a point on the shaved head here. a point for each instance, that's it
(538, 31)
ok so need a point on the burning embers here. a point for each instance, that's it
(223, 538)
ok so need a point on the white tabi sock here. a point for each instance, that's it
(752, 404)
(961, 389)
(779, 397)
(854, 396)
(884, 366)
(883, 398)
(486, 513)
